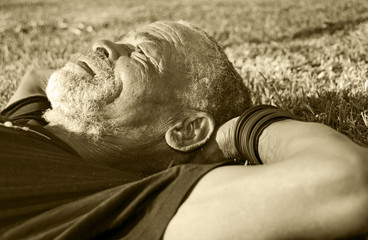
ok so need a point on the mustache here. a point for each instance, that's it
(104, 83)
(95, 60)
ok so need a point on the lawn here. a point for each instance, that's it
(306, 56)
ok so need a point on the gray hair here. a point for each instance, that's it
(216, 87)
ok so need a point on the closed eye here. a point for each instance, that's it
(142, 52)
(139, 55)
(139, 50)
(147, 58)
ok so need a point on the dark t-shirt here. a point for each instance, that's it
(47, 191)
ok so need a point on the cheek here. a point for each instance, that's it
(140, 103)
(137, 121)
(133, 108)
(138, 114)
(134, 79)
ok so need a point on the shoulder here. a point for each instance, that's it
(33, 83)
(25, 109)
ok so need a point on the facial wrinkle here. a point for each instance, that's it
(174, 32)
(148, 37)
(141, 59)
(171, 39)
(121, 37)
(163, 56)
(164, 34)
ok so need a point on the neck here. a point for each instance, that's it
(143, 158)
(86, 148)
(209, 153)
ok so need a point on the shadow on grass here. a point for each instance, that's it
(343, 111)
(24, 4)
(329, 28)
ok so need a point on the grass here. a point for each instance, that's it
(307, 56)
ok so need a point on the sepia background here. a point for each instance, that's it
(306, 56)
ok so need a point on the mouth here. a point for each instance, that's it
(86, 68)
(99, 70)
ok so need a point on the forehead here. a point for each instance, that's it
(167, 44)
(139, 34)
(174, 33)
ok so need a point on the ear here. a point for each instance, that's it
(190, 131)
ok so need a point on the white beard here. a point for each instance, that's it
(77, 98)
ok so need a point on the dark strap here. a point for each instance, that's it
(250, 126)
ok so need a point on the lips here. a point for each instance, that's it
(85, 67)
(99, 71)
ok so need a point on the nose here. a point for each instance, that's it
(112, 50)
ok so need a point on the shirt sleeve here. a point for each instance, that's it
(137, 210)
(26, 110)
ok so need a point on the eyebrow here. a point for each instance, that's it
(148, 36)
(122, 36)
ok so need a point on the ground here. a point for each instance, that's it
(308, 57)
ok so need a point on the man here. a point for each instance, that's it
(156, 100)
(146, 92)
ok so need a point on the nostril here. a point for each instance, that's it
(103, 51)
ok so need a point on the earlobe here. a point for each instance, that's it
(190, 131)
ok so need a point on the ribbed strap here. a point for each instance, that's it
(250, 126)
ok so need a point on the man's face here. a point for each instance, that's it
(146, 63)
(133, 82)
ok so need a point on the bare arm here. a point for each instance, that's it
(33, 83)
(314, 186)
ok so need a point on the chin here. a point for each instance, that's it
(72, 108)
